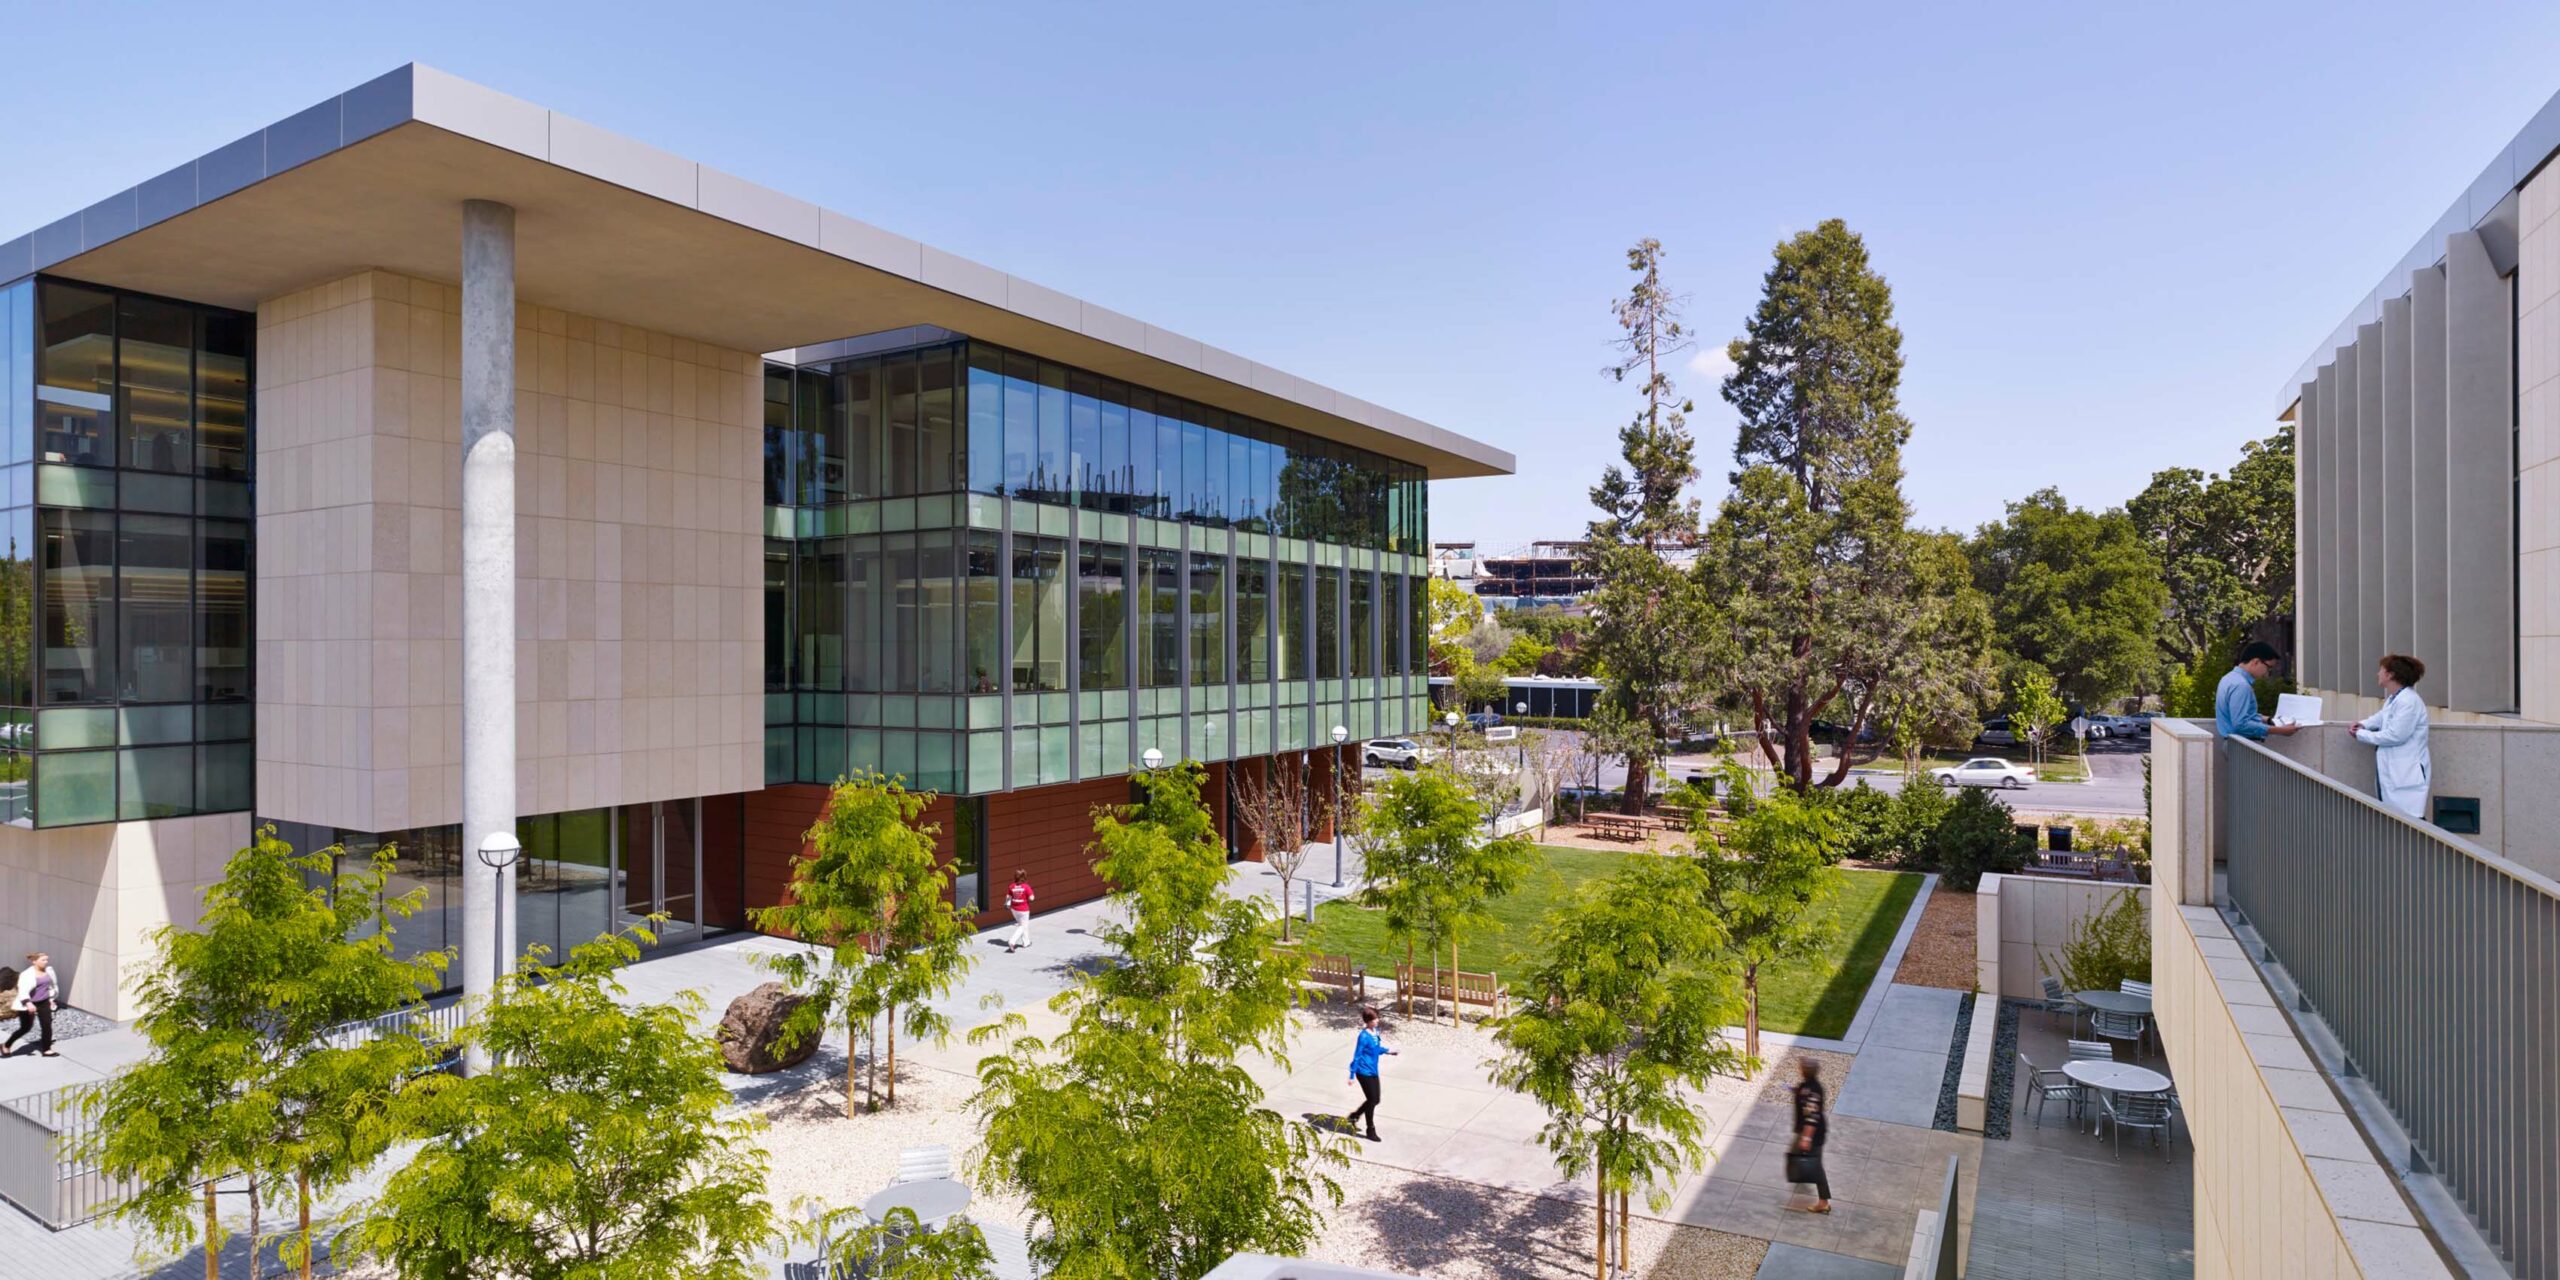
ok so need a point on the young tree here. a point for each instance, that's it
(1453, 612)
(1276, 809)
(1810, 565)
(2074, 591)
(247, 1075)
(1554, 761)
(1766, 882)
(1645, 615)
(873, 901)
(1432, 871)
(2034, 706)
(1138, 1138)
(1619, 1024)
(594, 1146)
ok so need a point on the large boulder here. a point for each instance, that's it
(751, 1029)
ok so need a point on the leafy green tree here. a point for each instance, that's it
(1645, 615)
(1141, 1143)
(873, 901)
(1619, 1025)
(1453, 612)
(2073, 591)
(1934, 688)
(1766, 880)
(898, 1245)
(2106, 947)
(594, 1148)
(1810, 568)
(245, 1076)
(2224, 544)
(1432, 871)
(2034, 705)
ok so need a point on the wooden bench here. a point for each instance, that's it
(1338, 972)
(1481, 990)
(1616, 826)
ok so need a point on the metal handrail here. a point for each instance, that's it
(2435, 963)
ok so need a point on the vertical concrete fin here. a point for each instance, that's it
(2429, 512)
(2397, 514)
(2366, 514)
(2479, 479)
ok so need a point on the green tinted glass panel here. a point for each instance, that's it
(75, 787)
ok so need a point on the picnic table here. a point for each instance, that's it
(1616, 826)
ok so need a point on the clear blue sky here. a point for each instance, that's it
(2111, 232)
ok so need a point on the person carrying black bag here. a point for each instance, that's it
(1813, 1125)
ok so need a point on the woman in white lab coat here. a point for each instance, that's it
(2398, 736)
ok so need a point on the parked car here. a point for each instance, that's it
(1396, 753)
(1483, 720)
(1985, 771)
(2122, 726)
(1995, 733)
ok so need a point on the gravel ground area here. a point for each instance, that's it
(1946, 1116)
(1941, 951)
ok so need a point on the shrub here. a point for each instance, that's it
(1866, 824)
(2105, 948)
(1918, 812)
(1976, 837)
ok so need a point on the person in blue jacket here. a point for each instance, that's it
(1364, 1069)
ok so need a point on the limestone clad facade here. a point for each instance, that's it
(639, 565)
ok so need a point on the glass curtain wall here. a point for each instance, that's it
(125, 574)
(1022, 573)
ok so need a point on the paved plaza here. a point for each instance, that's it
(2028, 1196)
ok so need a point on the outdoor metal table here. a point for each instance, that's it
(2113, 1077)
(2114, 1001)
(934, 1201)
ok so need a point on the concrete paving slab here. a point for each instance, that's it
(1899, 1085)
(1914, 1018)
(1796, 1262)
(1492, 1162)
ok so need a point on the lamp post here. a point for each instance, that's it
(1340, 735)
(498, 851)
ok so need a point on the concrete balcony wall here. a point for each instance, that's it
(2285, 1186)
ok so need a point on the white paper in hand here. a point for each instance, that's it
(2297, 709)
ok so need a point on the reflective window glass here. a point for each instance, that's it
(1159, 600)
(1253, 620)
(78, 629)
(986, 421)
(1102, 625)
(1039, 615)
(1208, 620)
(222, 395)
(75, 376)
(936, 438)
(1328, 633)
(985, 639)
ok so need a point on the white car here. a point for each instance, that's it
(1396, 753)
(1985, 771)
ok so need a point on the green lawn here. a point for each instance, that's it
(1815, 996)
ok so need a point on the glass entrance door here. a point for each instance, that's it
(658, 855)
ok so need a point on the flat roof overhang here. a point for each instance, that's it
(613, 228)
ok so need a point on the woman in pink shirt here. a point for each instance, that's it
(1017, 899)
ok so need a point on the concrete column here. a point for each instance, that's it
(2364, 515)
(2480, 646)
(2399, 593)
(2429, 567)
(488, 588)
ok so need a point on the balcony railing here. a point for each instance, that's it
(2436, 964)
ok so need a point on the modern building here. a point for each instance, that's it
(758, 495)
(2359, 1006)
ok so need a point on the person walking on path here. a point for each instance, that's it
(1813, 1126)
(36, 988)
(2235, 700)
(1365, 1053)
(2398, 736)
(1017, 899)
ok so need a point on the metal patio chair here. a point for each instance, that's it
(2138, 1111)
(917, 1164)
(2118, 1026)
(2048, 1083)
(2056, 1000)
(2092, 1051)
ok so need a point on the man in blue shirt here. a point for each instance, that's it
(2235, 700)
